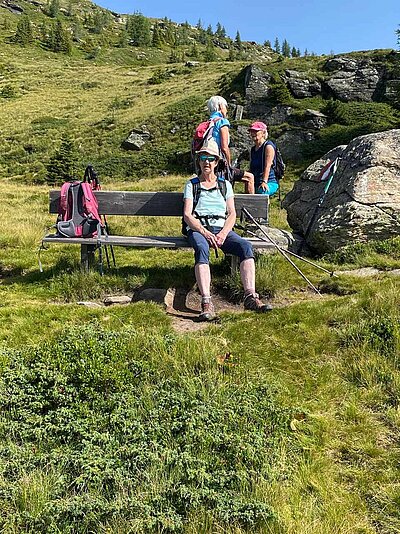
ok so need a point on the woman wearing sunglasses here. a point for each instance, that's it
(209, 224)
(262, 158)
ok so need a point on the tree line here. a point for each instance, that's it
(58, 35)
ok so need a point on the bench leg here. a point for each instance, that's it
(87, 256)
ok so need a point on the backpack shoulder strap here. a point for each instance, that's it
(221, 183)
(90, 203)
(196, 188)
(63, 202)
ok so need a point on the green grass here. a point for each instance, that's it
(112, 422)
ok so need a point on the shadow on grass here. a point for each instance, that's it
(159, 276)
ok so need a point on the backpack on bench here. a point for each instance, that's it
(78, 214)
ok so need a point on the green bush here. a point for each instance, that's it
(117, 429)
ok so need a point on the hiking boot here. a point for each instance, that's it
(253, 303)
(207, 311)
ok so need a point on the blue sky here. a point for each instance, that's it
(318, 25)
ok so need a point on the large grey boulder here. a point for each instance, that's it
(300, 85)
(257, 90)
(291, 143)
(363, 201)
(353, 79)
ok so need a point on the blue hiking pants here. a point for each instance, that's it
(233, 244)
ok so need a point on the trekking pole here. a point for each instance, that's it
(332, 168)
(279, 249)
(92, 178)
(331, 273)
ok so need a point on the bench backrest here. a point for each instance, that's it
(163, 204)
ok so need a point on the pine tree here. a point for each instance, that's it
(54, 8)
(58, 39)
(174, 56)
(194, 52)
(398, 36)
(238, 41)
(209, 30)
(306, 53)
(23, 34)
(122, 39)
(268, 43)
(169, 34)
(199, 25)
(77, 31)
(156, 41)
(138, 28)
(277, 46)
(232, 53)
(298, 52)
(209, 53)
(285, 48)
(293, 52)
(220, 31)
(62, 164)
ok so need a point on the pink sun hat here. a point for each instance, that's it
(258, 125)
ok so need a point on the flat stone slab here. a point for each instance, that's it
(118, 299)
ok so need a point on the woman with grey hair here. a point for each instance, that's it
(218, 108)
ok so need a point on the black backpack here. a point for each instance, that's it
(196, 185)
(278, 164)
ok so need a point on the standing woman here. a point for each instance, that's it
(209, 224)
(262, 159)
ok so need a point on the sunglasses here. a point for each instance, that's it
(207, 158)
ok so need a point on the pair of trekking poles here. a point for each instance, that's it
(92, 178)
(285, 253)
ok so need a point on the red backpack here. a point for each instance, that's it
(202, 134)
(78, 214)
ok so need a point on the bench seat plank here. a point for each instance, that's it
(139, 241)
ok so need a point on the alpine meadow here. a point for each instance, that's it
(128, 419)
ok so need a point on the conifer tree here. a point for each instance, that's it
(209, 30)
(62, 164)
(194, 52)
(285, 48)
(54, 8)
(238, 41)
(138, 28)
(268, 43)
(156, 41)
(298, 52)
(209, 53)
(398, 36)
(60, 40)
(77, 31)
(220, 31)
(293, 52)
(24, 33)
(199, 25)
(277, 46)
(122, 39)
(169, 34)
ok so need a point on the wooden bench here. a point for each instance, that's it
(147, 204)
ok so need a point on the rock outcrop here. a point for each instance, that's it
(363, 200)
(300, 85)
(136, 139)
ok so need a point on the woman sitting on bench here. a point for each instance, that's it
(209, 224)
